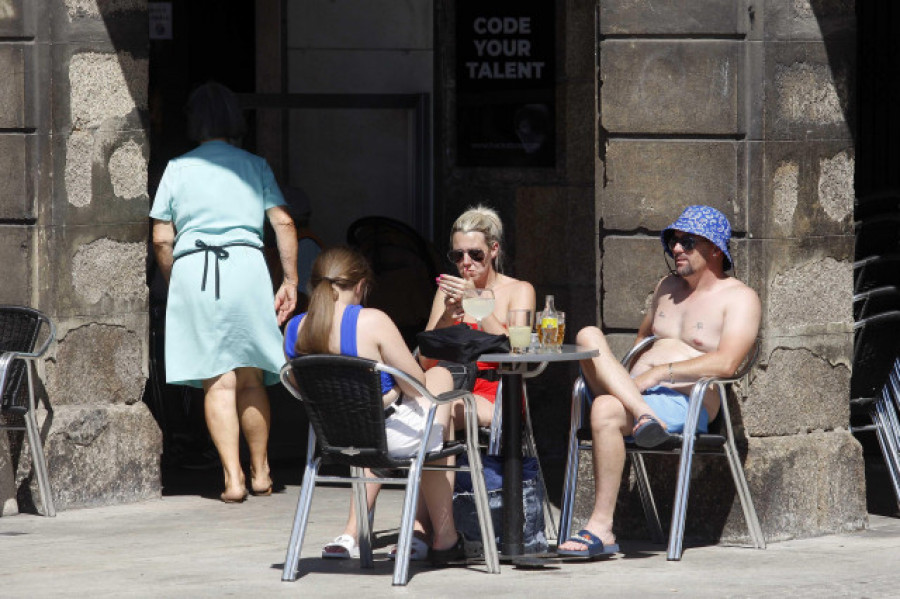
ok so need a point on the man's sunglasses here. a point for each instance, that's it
(687, 242)
(456, 256)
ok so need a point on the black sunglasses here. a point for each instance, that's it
(687, 242)
(456, 256)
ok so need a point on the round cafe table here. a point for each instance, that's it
(513, 368)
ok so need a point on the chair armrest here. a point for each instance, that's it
(637, 350)
(43, 348)
(449, 396)
(6, 358)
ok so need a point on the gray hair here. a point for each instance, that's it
(486, 221)
(213, 112)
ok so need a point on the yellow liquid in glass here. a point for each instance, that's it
(519, 337)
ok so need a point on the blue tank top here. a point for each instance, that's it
(349, 322)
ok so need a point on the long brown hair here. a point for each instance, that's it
(339, 267)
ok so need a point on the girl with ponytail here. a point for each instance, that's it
(337, 323)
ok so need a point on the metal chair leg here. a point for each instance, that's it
(647, 501)
(737, 474)
(363, 522)
(407, 520)
(572, 459)
(740, 483)
(37, 451)
(479, 491)
(679, 507)
(301, 517)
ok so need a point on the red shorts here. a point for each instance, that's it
(484, 388)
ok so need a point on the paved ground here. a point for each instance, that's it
(191, 546)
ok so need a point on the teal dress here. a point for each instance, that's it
(220, 313)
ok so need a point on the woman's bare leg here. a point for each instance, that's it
(255, 417)
(220, 408)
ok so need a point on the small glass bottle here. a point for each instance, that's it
(549, 326)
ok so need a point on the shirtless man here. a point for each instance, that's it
(706, 323)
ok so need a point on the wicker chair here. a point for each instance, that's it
(686, 444)
(20, 328)
(342, 397)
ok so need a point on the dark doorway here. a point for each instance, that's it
(208, 40)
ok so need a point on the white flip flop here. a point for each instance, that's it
(342, 547)
(418, 550)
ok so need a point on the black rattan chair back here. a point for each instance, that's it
(343, 400)
(19, 330)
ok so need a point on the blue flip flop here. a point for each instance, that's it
(649, 432)
(593, 546)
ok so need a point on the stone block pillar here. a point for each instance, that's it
(73, 214)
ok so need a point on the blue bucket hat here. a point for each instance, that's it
(703, 221)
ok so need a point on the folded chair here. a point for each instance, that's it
(686, 444)
(20, 328)
(882, 412)
(342, 397)
(875, 386)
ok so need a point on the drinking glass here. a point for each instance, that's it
(551, 339)
(519, 323)
(560, 330)
(478, 303)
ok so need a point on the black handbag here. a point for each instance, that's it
(460, 343)
(457, 349)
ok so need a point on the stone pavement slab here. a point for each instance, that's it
(190, 546)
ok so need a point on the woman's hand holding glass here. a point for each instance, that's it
(453, 289)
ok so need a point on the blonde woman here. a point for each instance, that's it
(476, 248)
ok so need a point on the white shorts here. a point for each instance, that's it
(404, 429)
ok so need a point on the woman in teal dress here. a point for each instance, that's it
(222, 317)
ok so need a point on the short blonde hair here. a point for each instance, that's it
(486, 221)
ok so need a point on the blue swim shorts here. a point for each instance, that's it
(672, 407)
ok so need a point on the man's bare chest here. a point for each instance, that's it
(696, 323)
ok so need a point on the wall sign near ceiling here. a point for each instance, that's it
(506, 83)
(160, 20)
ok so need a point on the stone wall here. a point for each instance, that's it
(73, 214)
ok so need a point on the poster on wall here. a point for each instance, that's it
(506, 83)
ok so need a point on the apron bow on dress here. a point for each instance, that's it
(219, 252)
